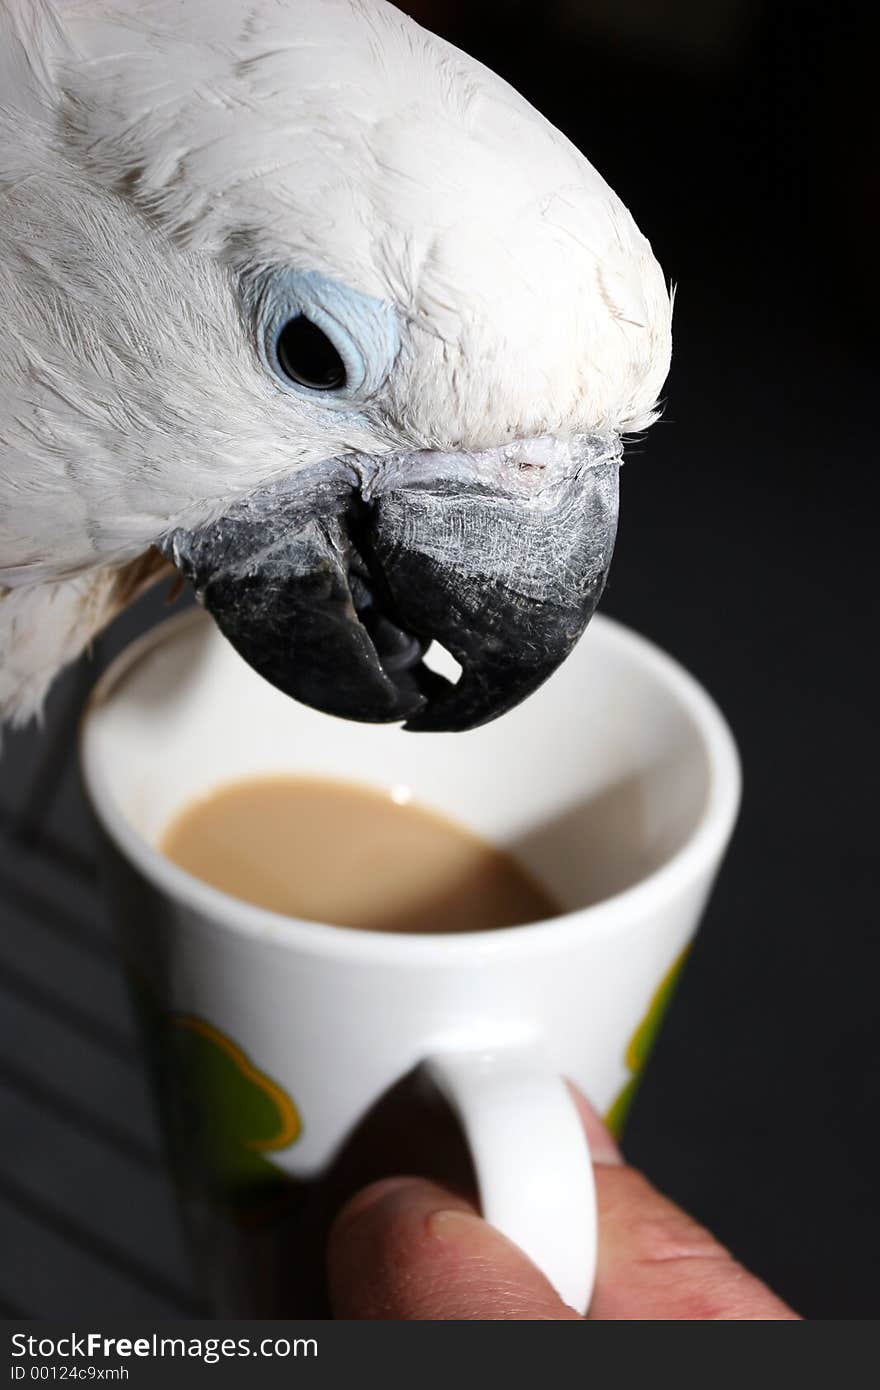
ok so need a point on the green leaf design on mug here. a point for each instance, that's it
(250, 1110)
(641, 1043)
(233, 1112)
(223, 1115)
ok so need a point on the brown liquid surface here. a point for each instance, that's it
(351, 856)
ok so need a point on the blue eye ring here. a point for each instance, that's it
(358, 336)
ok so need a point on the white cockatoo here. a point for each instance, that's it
(298, 298)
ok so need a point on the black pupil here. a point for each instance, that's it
(308, 357)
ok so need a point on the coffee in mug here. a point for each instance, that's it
(351, 856)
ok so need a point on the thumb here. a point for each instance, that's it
(406, 1249)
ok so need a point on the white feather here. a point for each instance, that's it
(42, 627)
(152, 152)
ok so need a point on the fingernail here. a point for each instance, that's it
(603, 1149)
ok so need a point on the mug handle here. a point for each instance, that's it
(530, 1153)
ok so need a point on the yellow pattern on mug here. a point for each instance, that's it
(641, 1042)
(247, 1116)
(225, 1118)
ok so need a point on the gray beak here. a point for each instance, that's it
(333, 584)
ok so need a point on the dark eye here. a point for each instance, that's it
(307, 356)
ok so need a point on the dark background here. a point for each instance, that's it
(741, 137)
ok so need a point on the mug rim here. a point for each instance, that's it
(703, 847)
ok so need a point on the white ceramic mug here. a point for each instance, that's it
(617, 785)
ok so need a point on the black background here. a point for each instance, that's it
(747, 153)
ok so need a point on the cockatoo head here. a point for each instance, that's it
(327, 312)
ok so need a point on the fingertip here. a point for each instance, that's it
(407, 1249)
(376, 1234)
